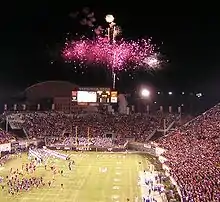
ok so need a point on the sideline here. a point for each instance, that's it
(145, 193)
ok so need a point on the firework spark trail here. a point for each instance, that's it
(122, 55)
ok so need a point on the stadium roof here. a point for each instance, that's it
(49, 89)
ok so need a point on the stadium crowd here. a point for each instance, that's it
(42, 124)
(5, 137)
(193, 150)
(101, 142)
(193, 154)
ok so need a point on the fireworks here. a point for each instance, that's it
(107, 50)
(123, 55)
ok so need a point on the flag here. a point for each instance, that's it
(38, 106)
(24, 107)
(132, 108)
(127, 110)
(170, 109)
(148, 108)
(53, 106)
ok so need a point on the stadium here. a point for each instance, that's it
(128, 110)
(100, 151)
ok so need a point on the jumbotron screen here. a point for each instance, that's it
(94, 95)
(86, 96)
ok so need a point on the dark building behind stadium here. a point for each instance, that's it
(56, 95)
(50, 94)
(42, 96)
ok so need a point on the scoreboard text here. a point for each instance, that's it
(94, 95)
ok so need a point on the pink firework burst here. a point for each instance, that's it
(123, 55)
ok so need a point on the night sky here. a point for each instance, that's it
(33, 34)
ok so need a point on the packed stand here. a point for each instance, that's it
(193, 155)
(165, 119)
(5, 137)
(137, 126)
(101, 142)
(15, 120)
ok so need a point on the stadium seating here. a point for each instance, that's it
(192, 150)
(193, 154)
(41, 124)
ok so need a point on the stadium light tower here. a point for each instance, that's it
(111, 29)
(145, 93)
(109, 18)
(111, 37)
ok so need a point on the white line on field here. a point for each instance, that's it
(82, 183)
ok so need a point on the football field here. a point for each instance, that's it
(96, 177)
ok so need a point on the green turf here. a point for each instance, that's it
(85, 183)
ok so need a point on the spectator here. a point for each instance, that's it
(193, 155)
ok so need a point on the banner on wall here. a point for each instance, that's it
(147, 146)
(5, 147)
(159, 151)
(162, 159)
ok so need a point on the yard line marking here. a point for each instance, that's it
(82, 183)
(115, 196)
(130, 181)
(117, 180)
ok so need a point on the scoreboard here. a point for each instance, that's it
(94, 95)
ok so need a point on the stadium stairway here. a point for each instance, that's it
(18, 132)
(160, 133)
(151, 135)
(157, 135)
